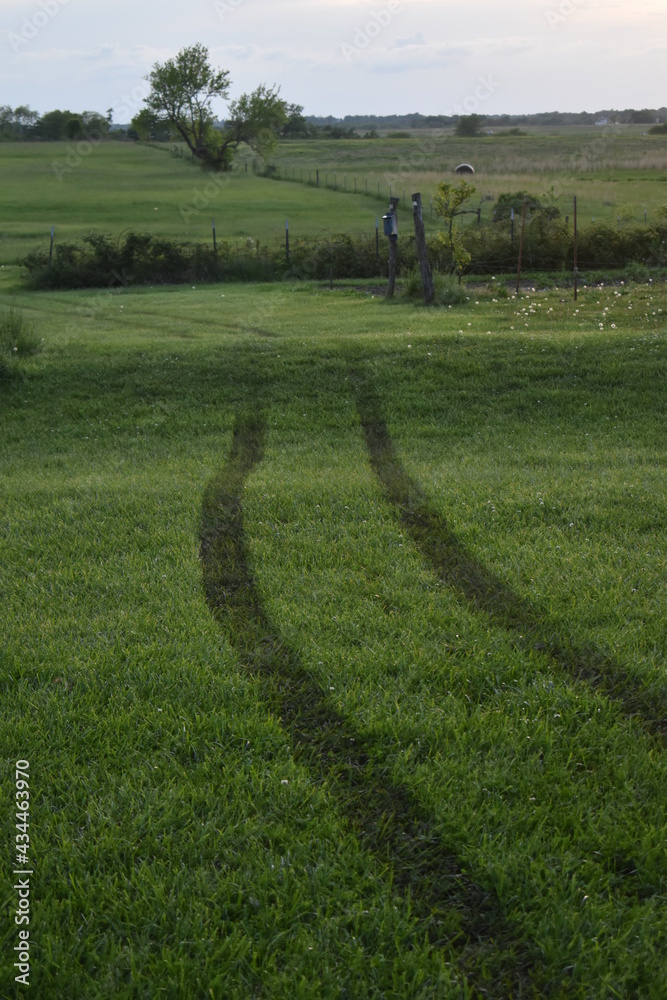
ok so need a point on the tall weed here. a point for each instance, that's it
(17, 335)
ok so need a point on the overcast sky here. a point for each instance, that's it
(344, 56)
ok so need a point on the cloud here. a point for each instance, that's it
(412, 54)
(415, 57)
(416, 39)
(235, 52)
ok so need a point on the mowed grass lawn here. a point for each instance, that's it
(333, 633)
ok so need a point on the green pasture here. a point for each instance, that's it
(116, 187)
(611, 171)
(113, 187)
(333, 632)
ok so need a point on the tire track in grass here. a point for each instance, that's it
(386, 817)
(480, 588)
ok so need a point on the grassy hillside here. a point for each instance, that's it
(119, 186)
(333, 633)
(116, 186)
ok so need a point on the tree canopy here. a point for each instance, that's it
(469, 126)
(254, 119)
(182, 90)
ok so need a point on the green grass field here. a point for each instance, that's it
(333, 633)
(115, 187)
(610, 171)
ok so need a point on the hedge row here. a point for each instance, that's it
(100, 261)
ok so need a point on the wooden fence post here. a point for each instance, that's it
(420, 238)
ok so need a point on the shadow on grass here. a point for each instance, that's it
(386, 817)
(484, 591)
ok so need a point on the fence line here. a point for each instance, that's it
(99, 260)
(330, 180)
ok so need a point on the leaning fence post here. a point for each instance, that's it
(420, 239)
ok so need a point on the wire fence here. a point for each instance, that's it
(546, 246)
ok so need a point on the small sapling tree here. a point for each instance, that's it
(447, 205)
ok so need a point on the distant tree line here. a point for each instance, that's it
(55, 126)
(289, 122)
(631, 116)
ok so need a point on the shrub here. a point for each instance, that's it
(138, 258)
(448, 290)
(99, 261)
(502, 209)
(637, 272)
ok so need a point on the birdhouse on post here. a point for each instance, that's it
(390, 224)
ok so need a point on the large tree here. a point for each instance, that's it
(182, 90)
(181, 93)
